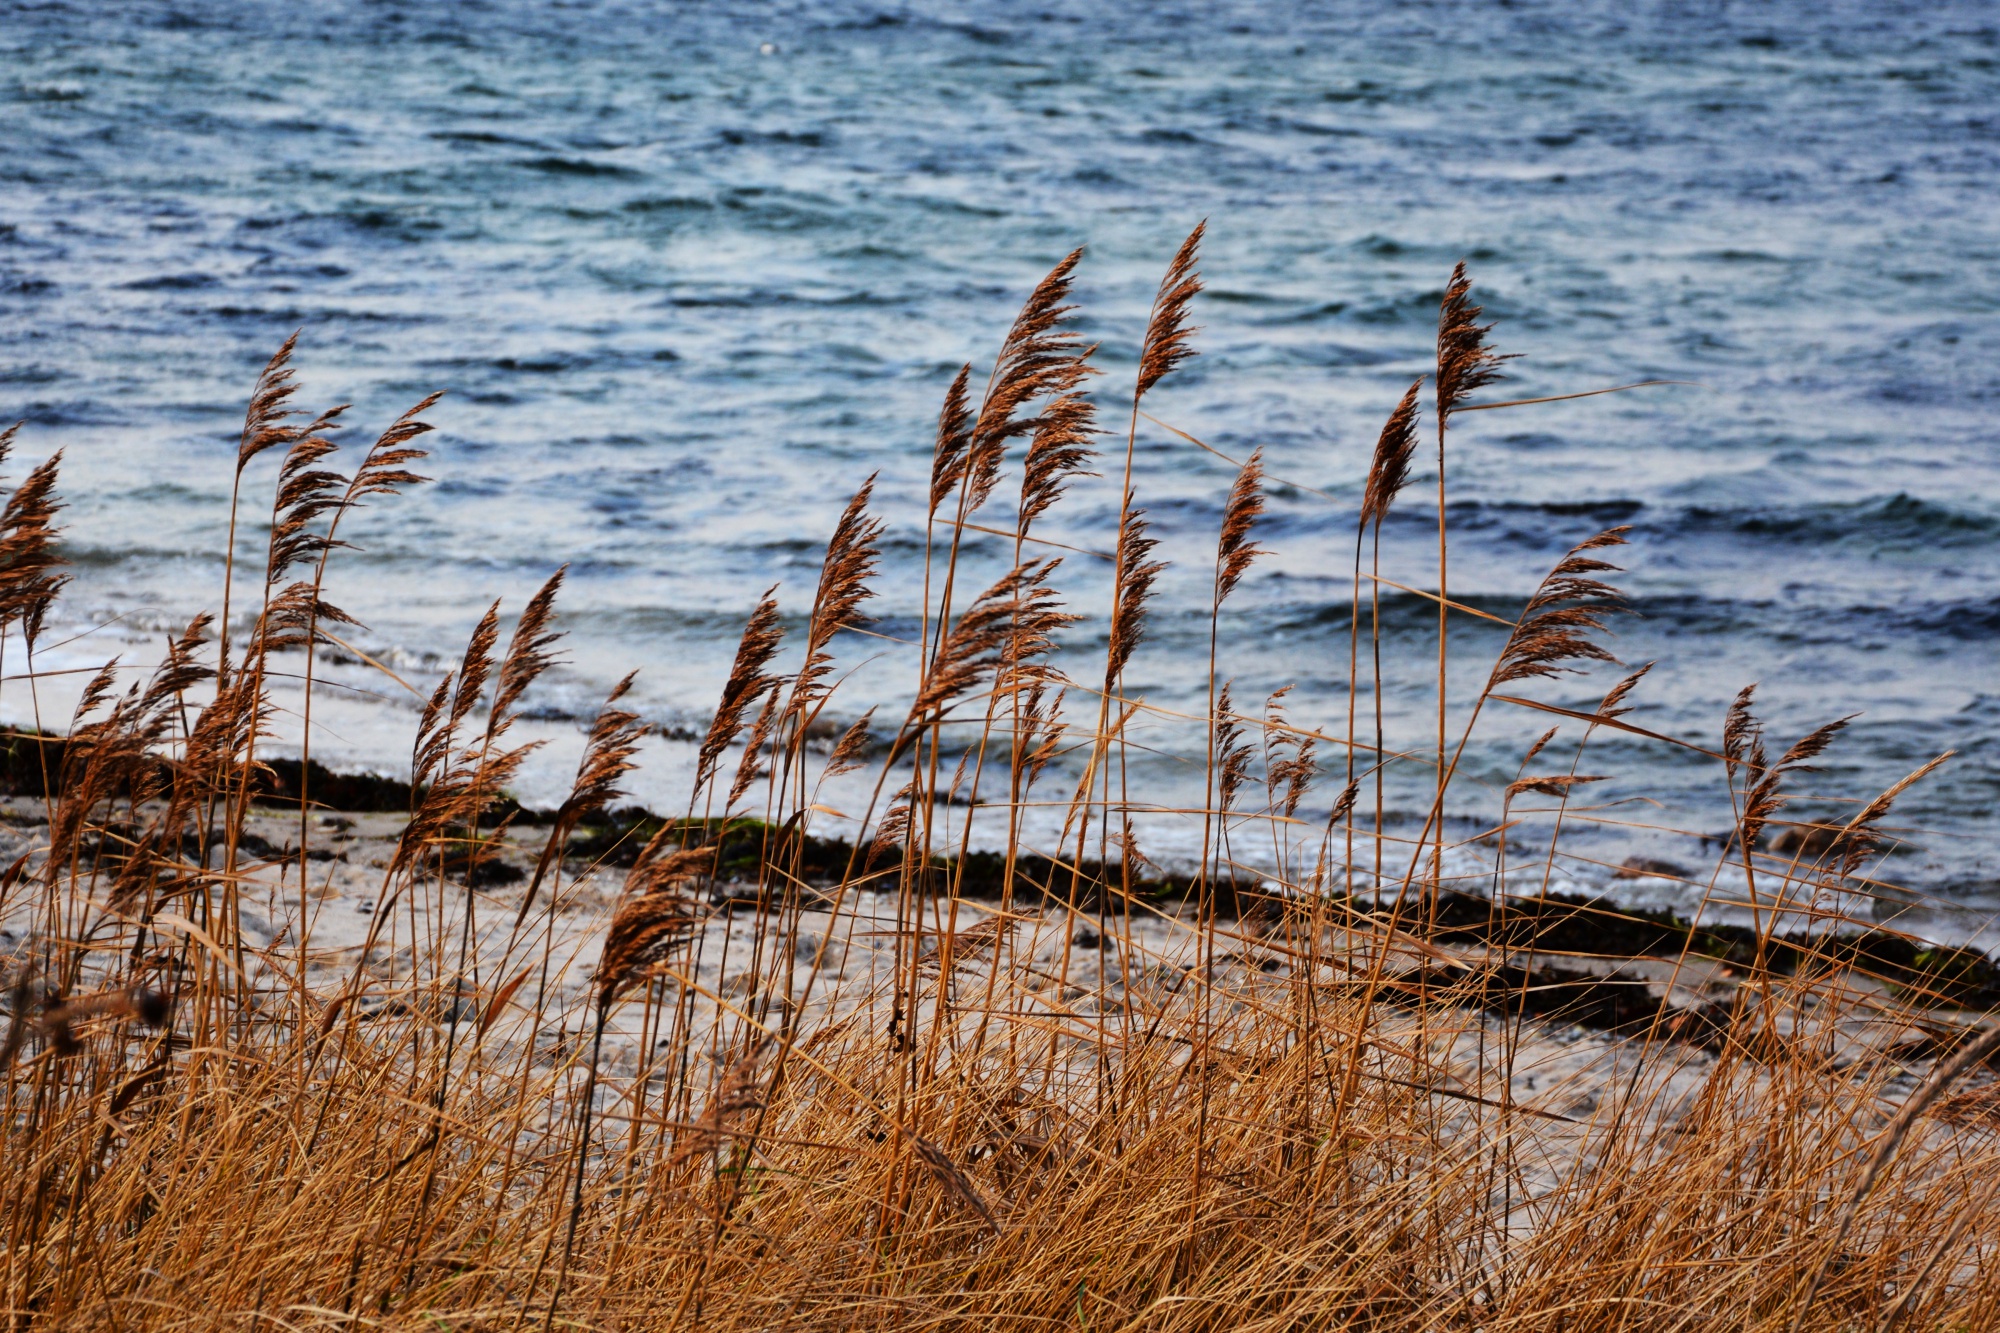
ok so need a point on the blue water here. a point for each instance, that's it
(690, 272)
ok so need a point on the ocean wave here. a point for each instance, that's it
(484, 138)
(172, 282)
(576, 166)
(1887, 522)
(669, 204)
(1899, 519)
(1977, 618)
(539, 215)
(1686, 616)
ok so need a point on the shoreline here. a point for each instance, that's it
(1555, 958)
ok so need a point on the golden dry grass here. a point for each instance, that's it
(1318, 1114)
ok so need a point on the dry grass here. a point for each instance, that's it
(1330, 1104)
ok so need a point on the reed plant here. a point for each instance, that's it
(716, 1075)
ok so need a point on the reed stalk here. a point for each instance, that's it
(894, 1083)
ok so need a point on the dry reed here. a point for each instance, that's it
(746, 1090)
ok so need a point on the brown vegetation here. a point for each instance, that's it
(777, 1082)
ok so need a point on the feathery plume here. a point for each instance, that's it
(970, 946)
(1131, 858)
(1614, 704)
(1168, 336)
(158, 705)
(749, 769)
(476, 666)
(1811, 745)
(58, 1019)
(28, 559)
(1041, 731)
(1567, 606)
(1540, 744)
(1288, 757)
(385, 469)
(1232, 751)
(98, 752)
(1554, 785)
(1007, 624)
(1765, 798)
(179, 672)
(954, 433)
(1343, 805)
(656, 867)
(738, 1094)
(292, 614)
(1060, 450)
(747, 681)
(1859, 838)
(851, 558)
(20, 1004)
(433, 740)
(95, 693)
(1234, 551)
(1464, 362)
(894, 827)
(456, 790)
(222, 730)
(1041, 358)
(1136, 575)
(657, 916)
(528, 654)
(848, 750)
(1390, 471)
(1742, 733)
(607, 758)
(264, 420)
(305, 491)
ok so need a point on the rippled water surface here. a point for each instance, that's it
(691, 272)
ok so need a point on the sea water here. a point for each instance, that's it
(690, 273)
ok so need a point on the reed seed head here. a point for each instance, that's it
(954, 433)
(1390, 470)
(1465, 364)
(1060, 451)
(1134, 588)
(1169, 339)
(747, 681)
(1234, 551)
(1042, 358)
(1567, 607)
